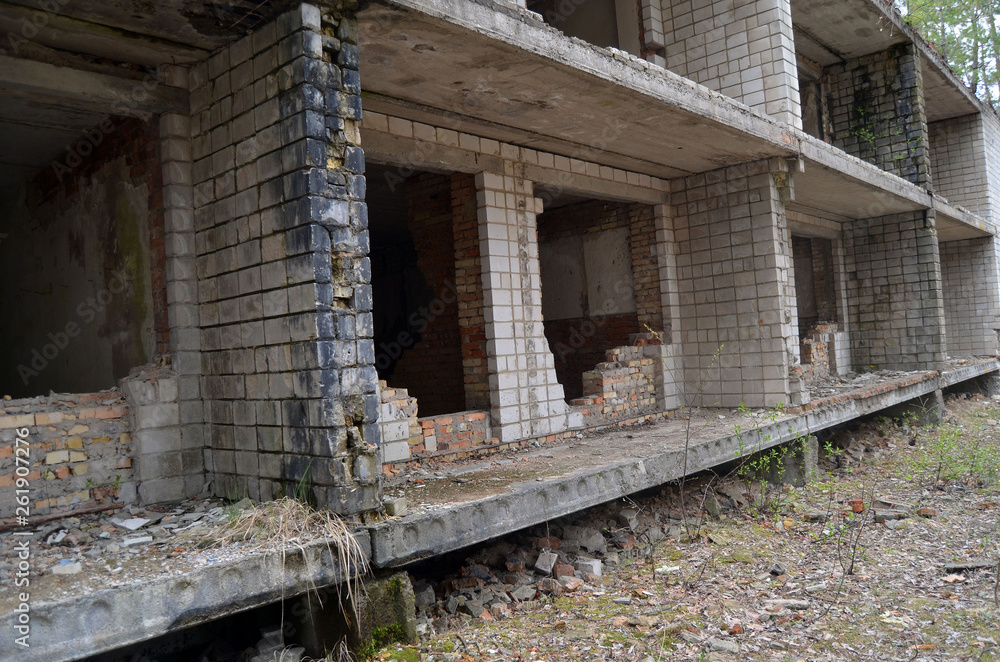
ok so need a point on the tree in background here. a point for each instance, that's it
(965, 35)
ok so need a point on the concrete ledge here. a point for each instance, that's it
(449, 528)
(82, 626)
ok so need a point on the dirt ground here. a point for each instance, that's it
(767, 573)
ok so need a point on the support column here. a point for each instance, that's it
(744, 49)
(894, 292)
(876, 111)
(285, 298)
(165, 404)
(736, 293)
(526, 399)
(670, 381)
(971, 296)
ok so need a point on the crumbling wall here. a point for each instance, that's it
(971, 296)
(894, 294)
(469, 289)
(958, 162)
(743, 49)
(290, 383)
(624, 385)
(82, 291)
(401, 431)
(876, 108)
(600, 281)
(78, 451)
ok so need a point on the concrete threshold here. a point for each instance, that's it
(492, 498)
(77, 627)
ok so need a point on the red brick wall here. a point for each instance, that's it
(78, 452)
(469, 284)
(431, 370)
(824, 275)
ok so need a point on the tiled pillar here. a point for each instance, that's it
(736, 293)
(971, 296)
(894, 297)
(285, 299)
(670, 385)
(743, 49)
(166, 406)
(526, 399)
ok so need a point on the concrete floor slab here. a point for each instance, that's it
(78, 626)
(489, 498)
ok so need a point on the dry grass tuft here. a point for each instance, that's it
(287, 524)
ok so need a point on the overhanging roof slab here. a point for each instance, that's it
(501, 72)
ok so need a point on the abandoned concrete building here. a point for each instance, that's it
(258, 243)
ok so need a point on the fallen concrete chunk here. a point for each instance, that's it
(128, 542)
(585, 565)
(546, 561)
(67, 569)
(722, 646)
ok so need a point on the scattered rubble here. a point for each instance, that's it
(738, 583)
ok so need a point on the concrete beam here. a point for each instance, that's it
(85, 625)
(91, 91)
(419, 536)
(73, 35)
(404, 152)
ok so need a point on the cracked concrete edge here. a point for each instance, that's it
(417, 537)
(111, 618)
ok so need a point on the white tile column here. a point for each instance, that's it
(526, 399)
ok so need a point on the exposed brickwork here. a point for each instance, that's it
(401, 430)
(454, 432)
(79, 450)
(431, 370)
(743, 49)
(469, 286)
(285, 295)
(734, 268)
(580, 344)
(971, 296)
(817, 351)
(138, 143)
(876, 107)
(958, 162)
(623, 386)
(896, 312)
